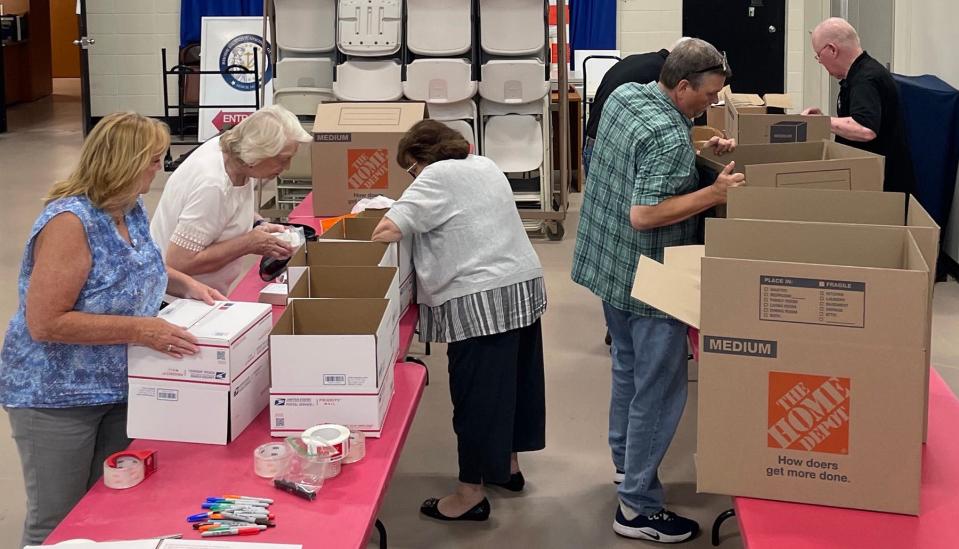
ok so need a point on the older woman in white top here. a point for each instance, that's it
(206, 221)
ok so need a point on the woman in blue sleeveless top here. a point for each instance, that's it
(91, 283)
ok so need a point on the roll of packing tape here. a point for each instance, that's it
(128, 468)
(335, 439)
(357, 447)
(271, 458)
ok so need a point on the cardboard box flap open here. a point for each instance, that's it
(366, 117)
(826, 206)
(776, 153)
(778, 100)
(843, 245)
(672, 291)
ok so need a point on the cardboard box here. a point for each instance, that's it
(701, 134)
(751, 119)
(819, 165)
(867, 208)
(716, 117)
(293, 411)
(361, 229)
(811, 375)
(277, 293)
(345, 253)
(354, 153)
(322, 345)
(349, 282)
(198, 411)
(672, 286)
(230, 335)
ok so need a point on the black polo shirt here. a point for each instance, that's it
(870, 96)
(641, 68)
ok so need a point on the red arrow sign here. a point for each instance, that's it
(229, 119)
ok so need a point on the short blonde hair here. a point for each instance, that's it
(114, 156)
(263, 134)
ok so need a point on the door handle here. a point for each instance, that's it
(84, 42)
(772, 29)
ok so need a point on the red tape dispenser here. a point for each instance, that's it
(128, 468)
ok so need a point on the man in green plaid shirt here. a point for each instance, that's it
(642, 195)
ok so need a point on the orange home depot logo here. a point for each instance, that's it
(809, 413)
(368, 169)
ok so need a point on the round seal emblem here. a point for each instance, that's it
(239, 51)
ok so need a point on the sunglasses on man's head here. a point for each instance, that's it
(723, 66)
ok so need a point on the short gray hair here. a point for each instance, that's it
(263, 135)
(692, 60)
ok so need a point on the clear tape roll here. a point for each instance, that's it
(124, 470)
(357, 447)
(271, 459)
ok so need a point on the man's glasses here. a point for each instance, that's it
(722, 66)
(410, 170)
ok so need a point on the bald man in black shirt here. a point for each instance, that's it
(869, 115)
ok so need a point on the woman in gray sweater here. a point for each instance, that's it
(480, 289)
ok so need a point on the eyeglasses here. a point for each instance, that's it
(410, 170)
(819, 53)
(723, 66)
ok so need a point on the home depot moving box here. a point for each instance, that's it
(751, 119)
(350, 282)
(819, 165)
(865, 208)
(361, 229)
(354, 153)
(812, 368)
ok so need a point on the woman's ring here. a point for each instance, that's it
(169, 348)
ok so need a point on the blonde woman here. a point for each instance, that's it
(206, 221)
(91, 282)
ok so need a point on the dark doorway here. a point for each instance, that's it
(751, 32)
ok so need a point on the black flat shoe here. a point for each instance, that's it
(478, 512)
(515, 483)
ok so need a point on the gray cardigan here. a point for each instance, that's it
(467, 233)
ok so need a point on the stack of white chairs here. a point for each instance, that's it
(306, 42)
(514, 87)
(439, 68)
(369, 35)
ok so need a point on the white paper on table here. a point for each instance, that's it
(167, 544)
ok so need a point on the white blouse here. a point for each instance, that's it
(200, 206)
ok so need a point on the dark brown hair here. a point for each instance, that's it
(430, 141)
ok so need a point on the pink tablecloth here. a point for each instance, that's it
(778, 525)
(342, 516)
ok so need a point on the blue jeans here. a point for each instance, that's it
(647, 401)
(587, 154)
